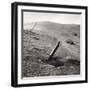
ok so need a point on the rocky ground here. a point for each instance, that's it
(38, 43)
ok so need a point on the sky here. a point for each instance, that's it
(29, 17)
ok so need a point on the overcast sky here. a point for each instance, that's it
(29, 17)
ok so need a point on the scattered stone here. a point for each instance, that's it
(69, 41)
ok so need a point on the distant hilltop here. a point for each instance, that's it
(44, 23)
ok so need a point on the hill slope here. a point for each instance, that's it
(40, 38)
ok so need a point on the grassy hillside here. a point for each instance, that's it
(39, 41)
